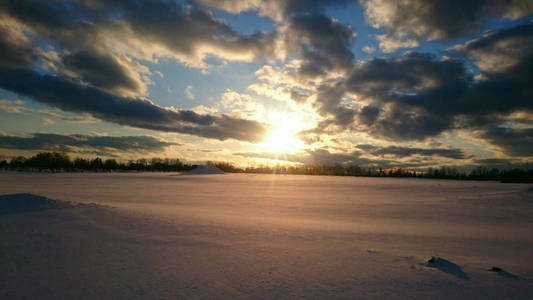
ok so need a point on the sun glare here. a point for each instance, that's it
(280, 140)
(283, 135)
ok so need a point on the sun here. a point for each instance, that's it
(282, 138)
(282, 141)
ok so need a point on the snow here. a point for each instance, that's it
(203, 170)
(155, 235)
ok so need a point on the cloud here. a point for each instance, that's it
(500, 163)
(163, 25)
(97, 41)
(135, 112)
(16, 50)
(240, 104)
(512, 141)
(117, 75)
(277, 10)
(369, 49)
(47, 121)
(416, 96)
(420, 95)
(500, 50)
(322, 42)
(11, 106)
(77, 142)
(411, 21)
(507, 72)
(92, 76)
(329, 103)
(189, 92)
(396, 98)
(408, 151)
(91, 57)
(71, 118)
(188, 34)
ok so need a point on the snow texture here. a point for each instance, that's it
(158, 236)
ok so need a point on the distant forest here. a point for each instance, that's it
(54, 162)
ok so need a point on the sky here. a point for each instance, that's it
(412, 83)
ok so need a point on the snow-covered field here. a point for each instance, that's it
(156, 235)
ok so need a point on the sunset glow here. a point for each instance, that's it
(266, 149)
(282, 140)
(391, 84)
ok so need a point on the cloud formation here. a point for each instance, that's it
(322, 43)
(513, 142)
(85, 143)
(277, 10)
(11, 106)
(397, 151)
(409, 22)
(136, 112)
(418, 95)
(93, 76)
(92, 58)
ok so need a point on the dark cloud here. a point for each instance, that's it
(420, 95)
(507, 72)
(415, 79)
(298, 97)
(178, 29)
(135, 112)
(409, 22)
(100, 43)
(191, 31)
(58, 142)
(15, 49)
(368, 114)
(504, 85)
(275, 9)
(499, 163)
(79, 50)
(408, 151)
(323, 43)
(92, 63)
(497, 51)
(328, 103)
(101, 70)
(513, 142)
(400, 122)
(411, 97)
(92, 78)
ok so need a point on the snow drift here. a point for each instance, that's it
(23, 202)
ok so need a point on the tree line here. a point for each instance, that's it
(54, 161)
(524, 174)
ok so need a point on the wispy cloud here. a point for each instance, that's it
(189, 92)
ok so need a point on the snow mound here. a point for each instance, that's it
(446, 266)
(204, 170)
(18, 203)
